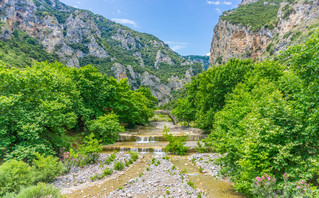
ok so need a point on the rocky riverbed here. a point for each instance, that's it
(160, 179)
(80, 176)
(206, 163)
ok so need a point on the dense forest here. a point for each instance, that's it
(47, 107)
(41, 103)
(263, 118)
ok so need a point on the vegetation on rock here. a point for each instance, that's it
(262, 13)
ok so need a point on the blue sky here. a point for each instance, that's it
(186, 25)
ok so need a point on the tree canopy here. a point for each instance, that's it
(39, 104)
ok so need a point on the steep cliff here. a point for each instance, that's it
(79, 37)
(260, 29)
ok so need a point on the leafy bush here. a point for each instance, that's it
(40, 190)
(134, 156)
(91, 147)
(184, 111)
(14, 175)
(70, 158)
(118, 165)
(45, 169)
(191, 184)
(106, 128)
(265, 186)
(202, 149)
(110, 159)
(176, 145)
(108, 171)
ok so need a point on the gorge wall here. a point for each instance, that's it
(259, 29)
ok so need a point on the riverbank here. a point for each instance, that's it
(154, 174)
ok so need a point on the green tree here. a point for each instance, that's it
(106, 128)
(184, 111)
(37, 106)
(207, 91)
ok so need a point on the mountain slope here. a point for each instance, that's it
(201, 59)
(79, 37)
(259, 29)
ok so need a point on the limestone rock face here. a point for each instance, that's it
(140, 59)
(162, 58)
(159, 90)
(189, 74)
(119, 71)
(175, 83)
(233, 41)
(80, 37)
(239, 41)
(126, 39)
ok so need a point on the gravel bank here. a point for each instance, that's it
(160, 179)
(206, 162)
(79, 176)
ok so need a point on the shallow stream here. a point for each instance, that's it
(149, 143)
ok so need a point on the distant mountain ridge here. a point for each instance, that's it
(79, 37)
(259, 29)
(201, 59)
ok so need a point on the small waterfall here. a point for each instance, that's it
(152, 139)
(134, 149)
(158, 151)
(145, 139)
(123, 150)
(145, 150)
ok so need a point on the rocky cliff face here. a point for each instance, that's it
(292, 24)
(80, 37)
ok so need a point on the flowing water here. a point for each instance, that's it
(148, 141)
(145, 139)
(212, 187)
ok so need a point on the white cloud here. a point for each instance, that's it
(219, 10)
(208, 54)
(176, 45)
(213, 2)
(125, 21)
(227, 2)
